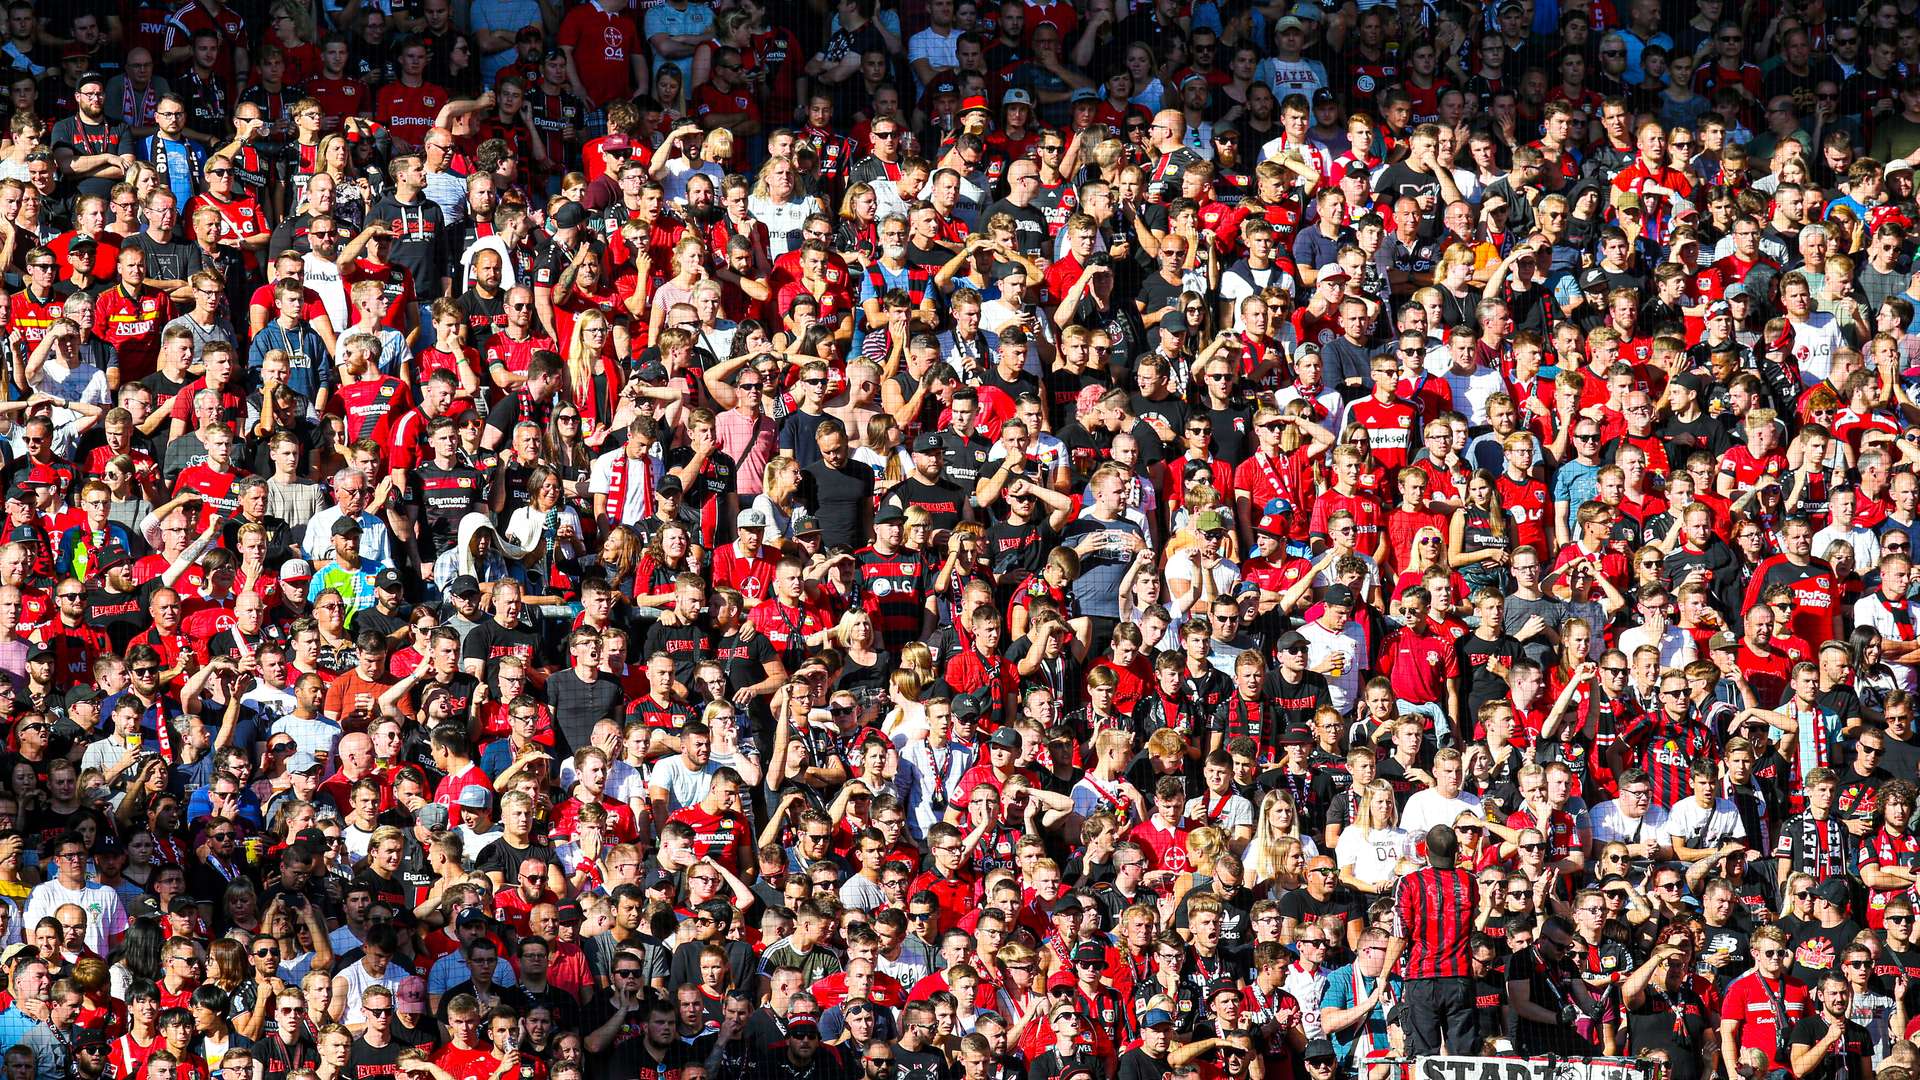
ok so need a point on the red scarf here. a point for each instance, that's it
(617, 487)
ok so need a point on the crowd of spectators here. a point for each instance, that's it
(958, 540)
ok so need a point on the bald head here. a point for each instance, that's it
(1170, 128)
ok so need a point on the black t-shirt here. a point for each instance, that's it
(1854, 1051)
(1232, 432)
(1482, 684)
(373, 1062)
(504, 857)
(840, 498)
(166, 261)
(1020, 549)
(1816, 949)
(687, 643)
(1029, 233)
(943, 500)
(490, 641)
(1339, 908)
(745, 661)
(1136, 1065)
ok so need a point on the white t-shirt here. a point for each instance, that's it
(1372, 857)
(1343, 688)
(1814, 342)
(106, 915)
(1610, 823)
(1705, 826)
(1428, 808)
(1871, 610)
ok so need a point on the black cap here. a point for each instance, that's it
(669, 485)
(891, 514)
(80, 694)
(570, 216)
(928, 443)
(1834, 891)
(346, 526)
(1174, 320)
(1319, 1049)
(1289, 641)
(1338, 594)
(1323, 96)
(968, 705)
(464, 585)
(108, 844)
(389, 579)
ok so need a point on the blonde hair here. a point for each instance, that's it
(1363, 816)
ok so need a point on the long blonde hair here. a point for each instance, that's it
(1262, 859)
(1419, 563)
(1363, 817)
(581, 369)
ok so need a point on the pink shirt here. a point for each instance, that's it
(750, 445)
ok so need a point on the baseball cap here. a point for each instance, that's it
(804, 524)
(1323, 96)
(927, 443)
(1719, 308)
(1722, 640)
(669, 485)
(968, 706)
(1155, 1017)
(471, 916)
(433, 816)
(464, 585)
(1289, 22)
(570, 216)
(346, 526)
(411, 995)
(1319, 1049)
(975, 104)
(303, 762)
(1290, 641)
(296, 570)
(1085, 93)
(889, 514)
(1016, 96)
(803, 1027)
(108, 844)
(1738, 288)
(1174, 320)
(1209, 521)
(1338, 595)
(389, 579)
(943, 86)
(473, 797)
(1005, 738)
(569, 912)
(614, 143)
(1833, 890)
(1088, 952)
(751, 518)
